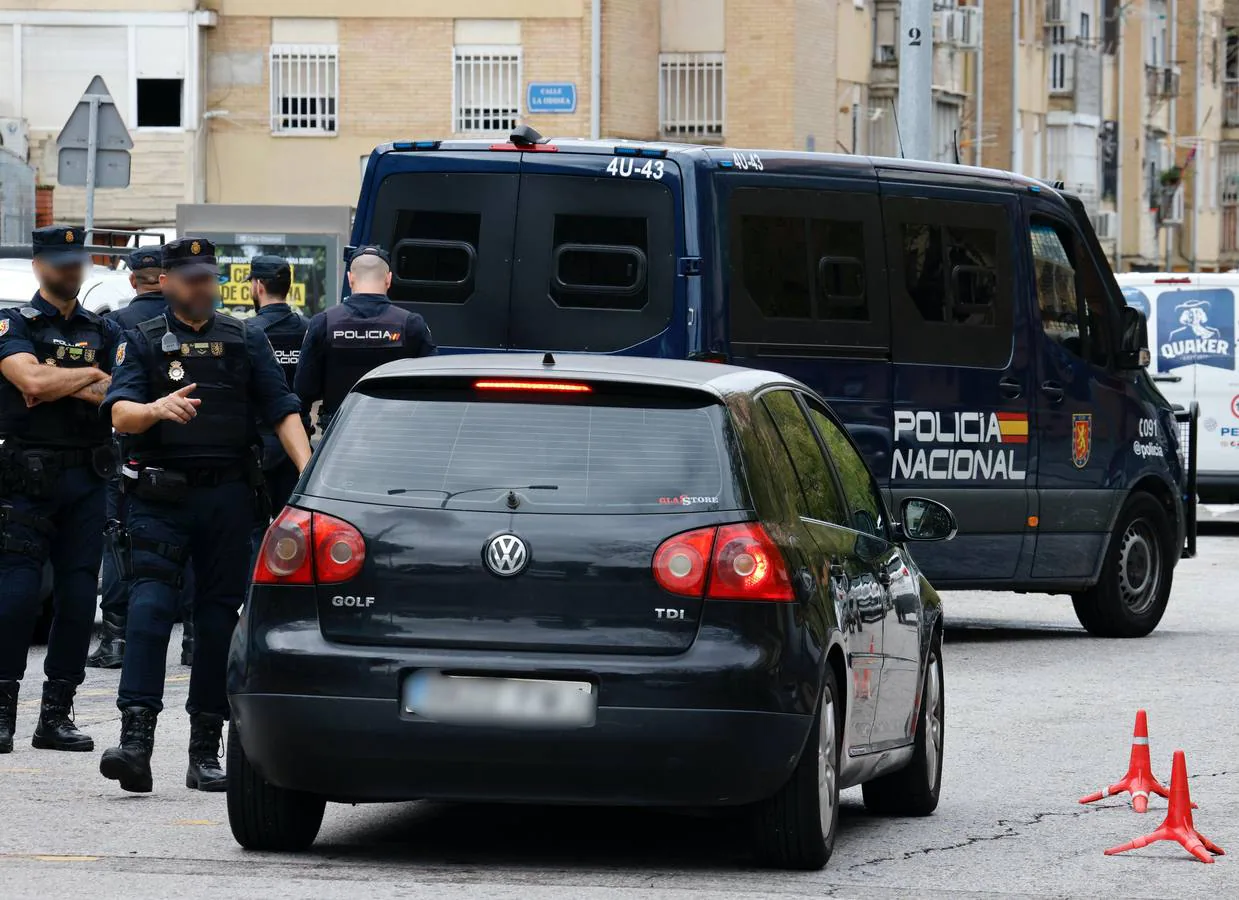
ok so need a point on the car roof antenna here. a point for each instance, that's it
(548, 360)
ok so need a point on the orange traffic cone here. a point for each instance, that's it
(1178, 825)
(1139, 780)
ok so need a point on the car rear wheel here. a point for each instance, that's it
(263, 816)
(795, 829)
(1130, 599)
(914, 789)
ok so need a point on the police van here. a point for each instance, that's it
(1192, 321)
(962, 321)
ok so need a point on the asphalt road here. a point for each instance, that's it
(1038, 714)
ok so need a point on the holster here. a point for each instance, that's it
(36, 472)
(105, 460)
(155, 485)
(116, 536)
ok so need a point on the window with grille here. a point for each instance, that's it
(487, 92)
(690, 95)
(305, 86)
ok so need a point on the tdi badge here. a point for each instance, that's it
(175, 372)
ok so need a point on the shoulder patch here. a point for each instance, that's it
(120, 352)
(4, 327)
(30, 312)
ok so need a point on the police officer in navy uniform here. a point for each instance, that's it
(270, 281)
(145, 267)
(55, 359)
(188, 388)
(348, 340)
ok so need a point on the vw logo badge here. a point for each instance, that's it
(506, 555)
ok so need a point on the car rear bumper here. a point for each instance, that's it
(365, 749)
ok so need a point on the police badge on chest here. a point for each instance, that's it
(176, 371)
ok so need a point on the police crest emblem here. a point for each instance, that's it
(217, 348)
(4, 327)
(195, 248)
(120, 352)
(1081, 439)
(69, 238)
(175, 371)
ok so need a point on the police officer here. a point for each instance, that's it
(348, 340)
(285, 327)
(189, 385)
(145, 267)
(55, 357)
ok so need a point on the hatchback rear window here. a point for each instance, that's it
(463, 450)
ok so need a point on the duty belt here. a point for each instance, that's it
(64, 457)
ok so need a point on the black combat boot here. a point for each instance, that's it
(8, 714)
(205, 735)
(56, 730)
(130, 763)
(111, 650)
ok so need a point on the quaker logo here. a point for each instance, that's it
(1081, 439)
(1196, 328)
(1137, 300)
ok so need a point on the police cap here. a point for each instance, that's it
(370, 250)
(190, 256)
(59, 245)
(146, 258)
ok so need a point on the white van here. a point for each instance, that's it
(1192, 330)
(103, 289)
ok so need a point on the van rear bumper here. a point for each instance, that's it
(357, 749)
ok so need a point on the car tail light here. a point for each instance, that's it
(744, 564)
(553, 387)
(681, 562)
(309, 548)
(748, 566)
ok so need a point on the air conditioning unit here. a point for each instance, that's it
(1106, 225)
(959, 28)
(887, 55)
(15, 137)
(1056, 12)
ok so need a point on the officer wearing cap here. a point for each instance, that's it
(270, 281)
(145, 267)
(55, 359)
(363, 332)
(188, 388)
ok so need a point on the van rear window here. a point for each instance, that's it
(460, 451)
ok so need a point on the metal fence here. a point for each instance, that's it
(17, 203)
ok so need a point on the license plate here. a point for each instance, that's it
(481, 700)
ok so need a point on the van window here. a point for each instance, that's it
(818, 485)
(806, 271)
(1071, 294)
(951, 285)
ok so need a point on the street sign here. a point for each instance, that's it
(94, 147)
(551, 97)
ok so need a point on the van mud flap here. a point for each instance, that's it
(1187, 420)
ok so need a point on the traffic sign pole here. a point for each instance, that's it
(92, 150)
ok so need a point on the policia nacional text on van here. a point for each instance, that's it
(963, 323)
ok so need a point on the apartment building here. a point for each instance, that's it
(149, 53)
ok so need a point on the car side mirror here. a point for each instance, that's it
(1133, 339)
(921, 519)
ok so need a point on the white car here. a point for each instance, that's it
(103, 290)
(1192, 327)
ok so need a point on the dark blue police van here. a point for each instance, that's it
(963, 322)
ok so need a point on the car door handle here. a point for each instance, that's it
(1010, 389)
(1053, 391)
(1172, 378)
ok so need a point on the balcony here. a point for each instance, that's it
(1230, 102)
(1161, 82)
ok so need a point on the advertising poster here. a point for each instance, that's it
(309, 292)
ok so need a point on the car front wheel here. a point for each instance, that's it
(263, 816)
(914, 789)
(795, 829)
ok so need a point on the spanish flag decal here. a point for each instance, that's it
(1013, 427)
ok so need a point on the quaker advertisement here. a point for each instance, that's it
(1196, 328)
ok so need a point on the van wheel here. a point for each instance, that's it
(795, 829)
(1131, 597)
(263, 816)
(914, 789)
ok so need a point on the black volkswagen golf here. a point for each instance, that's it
(588, 579)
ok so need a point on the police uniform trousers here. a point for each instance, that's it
(114, 590)
(74, 505)
(212, 525)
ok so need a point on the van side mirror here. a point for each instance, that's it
(1133, 339)
(921, 519)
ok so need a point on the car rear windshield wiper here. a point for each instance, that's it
(513, 500)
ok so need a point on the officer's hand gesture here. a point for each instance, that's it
(177, 406)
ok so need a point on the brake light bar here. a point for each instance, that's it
(1172, 281)
(552, 387)
(526, 148)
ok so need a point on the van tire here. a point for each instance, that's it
(1130, 598)
(263, 816)
(914, 789)
(788, 828)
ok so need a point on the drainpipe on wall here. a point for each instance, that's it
(1119, 80)
(595, 71)
(980, 82)
(1017, 142)
(1197, 126)
(1173, 42)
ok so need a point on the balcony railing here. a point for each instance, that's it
(1230, 103)
(1162, 82)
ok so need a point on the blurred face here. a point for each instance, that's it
(58, 282)
(191, 295)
